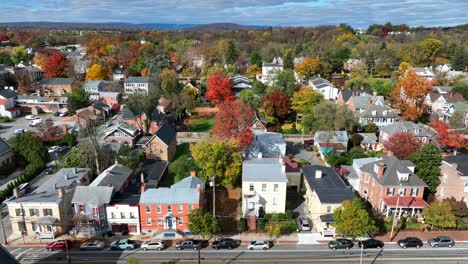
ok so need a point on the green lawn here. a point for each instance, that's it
(201, 123)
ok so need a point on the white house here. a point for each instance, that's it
(118, 74)
(135, 84)
(379, 114)
(7, 103)
(425, 72)
(269, 71)
(325, 87)
(440, 102)
(123, 217)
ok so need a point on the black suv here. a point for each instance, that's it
(189, 244)
(410, 242)
(224, 243)
(371, 243)
(340, 244)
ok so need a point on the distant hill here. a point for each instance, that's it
(125, 26)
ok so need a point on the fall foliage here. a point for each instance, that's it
(307, 68)
(409, 95)
(96, 72)
(219, 88)
(55, 66)
(447, 137)
(233, 121)
(304, 100)
(402, 145)
(276, 104)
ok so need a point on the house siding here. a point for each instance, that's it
(452, 184)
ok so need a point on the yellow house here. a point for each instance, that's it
(325, 191)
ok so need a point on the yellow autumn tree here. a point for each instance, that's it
(307, 68)
(252, 70)
(403, 70)
(96, 72)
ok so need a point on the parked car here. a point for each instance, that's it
(340, 244)
(303, 223)
(410, 242)
(188, 244)
(371, 243)
(63, 113)
(259, 244)
(35, 122)
(56, 113)
(441, 241)
(123, 244)
(155, 244)
(20, 131)
(49, 170)
(31, 117)
(53, 149)
(224, 243)
(92, 245)
(58, 245)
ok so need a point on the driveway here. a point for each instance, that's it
(7, 130)
(309, 156)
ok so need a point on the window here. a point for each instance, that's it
(81, 208)
(34, 227)
(414, 191)
(148, 221)
(47, 212)
(159, 221)
(401, 191)
(148, 209)
(21, 226)
(112, 215)
(19, 212)
(190, 208)
(275, 201)
(466, 187)
(275, 187)
(251, 187)
(445, 178)
(423, 139)
(161, 150)
(180, 220)
(263, 187)
(158, 208)
(366, 178)
(122, 215)
(132, 215)
(169, 208)
(329, 209)
(390, 191)
(180, 208)
(34, 212)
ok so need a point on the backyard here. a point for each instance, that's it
(201, 120)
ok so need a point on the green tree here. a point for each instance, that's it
(202, 223)
(181, 167)
(328, 116)
(305, 100)
(463, 89)
(457, 120)
(259, 88)
(141, 105)
(439, 214)
(84, 156)
(169, 82)
(250, 98)
(29, 148)
(219, 158)
(255, 58)
(353, 219)
(428, 160)
(232, 53)
(273, 229)
(77, 99)
(284, 82)
(288, 59)
(19, 54)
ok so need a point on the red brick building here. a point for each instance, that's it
(164, 211)
(391, 183)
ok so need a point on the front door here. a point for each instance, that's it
(169, 221)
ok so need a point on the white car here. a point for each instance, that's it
(31, 117)
(92, 245)
(64, 113)
(259, 244)
(303, 224)
(53, 149)
(35, 122)
(155, 244)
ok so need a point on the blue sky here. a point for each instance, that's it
(358, 13)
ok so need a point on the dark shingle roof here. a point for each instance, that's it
(7, 93)
(136, 79)
(56, 81)
(461, 160)
(346, 94)
(153, 170)
(330, 188)
(4, 147)
(166, 133)
(158, 116)
(127, 114)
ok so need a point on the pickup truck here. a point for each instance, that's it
(188, 244)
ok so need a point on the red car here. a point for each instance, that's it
(59, 245)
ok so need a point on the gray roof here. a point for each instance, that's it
(330, 188)
(165, 133)
(183, 192)
(461, 159)
(30, 97)
(46, 193)
(408, 126)
(153, 170)
(95, 195)
(4, 147)
(346, 94)
(125, 128)
(377, 110)
(332, 137)
(8, 94)
(115, 176)
(136, 79)
(264, 170)
(390, 176)
(368, 138)
(56, 81)
(442, 89)
(127, 114)
(362, 101)
(270, 144)
(318, 81)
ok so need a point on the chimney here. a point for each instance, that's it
(66, 176)
(16, 192)
(260, 155)
(380, 169)
(193, 173)
(142, 178)
(143, 187)
(74, 171)
(198, 188)
(61, 192)
(374, 93)
(318, 174)
(55, 186)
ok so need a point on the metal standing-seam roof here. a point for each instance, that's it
(95, 195)
(264, 170)
(170, 196)
(189, 183)
(136, 79)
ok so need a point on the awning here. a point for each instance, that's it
(327, 218)
(47, 220)
(407, 202)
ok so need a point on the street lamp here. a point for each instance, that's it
(395, 214)
(213, 184)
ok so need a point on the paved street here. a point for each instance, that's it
(7, 130)
(278, 254)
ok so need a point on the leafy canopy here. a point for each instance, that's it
(428, 160)
(353, 219)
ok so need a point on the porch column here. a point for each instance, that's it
(412, 212)
(387, 212)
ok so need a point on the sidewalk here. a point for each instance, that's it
(459, 236)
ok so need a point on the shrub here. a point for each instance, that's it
(261, 224)
(243, 224)
(289, 214)
(288, 227)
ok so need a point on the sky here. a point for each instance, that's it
(358, 13)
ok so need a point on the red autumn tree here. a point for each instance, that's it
(402, 145)
(409, 95)
(3, 37)
(233, 120)
(447, 137)
(219, 88)
(276, 104)
(55, 66)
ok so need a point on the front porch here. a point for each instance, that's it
(46, 227)
(86, 226)
(404, 206)
(326, 225)
(251, 204)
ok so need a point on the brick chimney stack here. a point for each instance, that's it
(193, 173)
(380, 169)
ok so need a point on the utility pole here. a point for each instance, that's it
(214, 197)
(395, 214)
(362, 248)
(68, 252)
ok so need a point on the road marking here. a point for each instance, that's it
(15, 250)
(20, 254)
(40, 250)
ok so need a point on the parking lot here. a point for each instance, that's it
(7, 130)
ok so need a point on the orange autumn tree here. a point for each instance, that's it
(447, 137)
(307, 68)
(96, 72)
(219, 88)
(55, 66)
(409, 94)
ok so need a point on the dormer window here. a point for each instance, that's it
(374, 113)
(402, 176)
(385, 112)
(416, 131)
(405, 130)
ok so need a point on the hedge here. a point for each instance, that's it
(30, 172)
